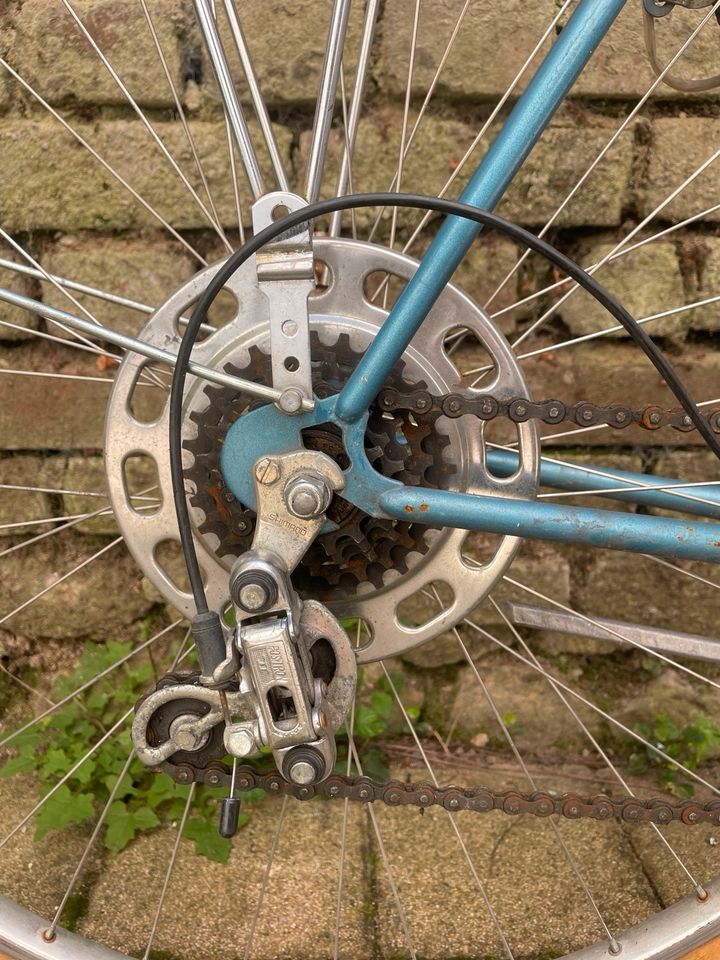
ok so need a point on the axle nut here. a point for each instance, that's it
(307, 497)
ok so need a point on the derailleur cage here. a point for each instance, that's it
(289, 673)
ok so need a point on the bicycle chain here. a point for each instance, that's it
(480, 799)
(483, 799)
(421, 794)
(521, 410)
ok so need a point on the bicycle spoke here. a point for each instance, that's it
(255, 94)
(180, 110)
(76, 766)
(451, 819)
(266, 878)
(623, 126)
(619, 254)
(89, 683)
(351, 118)
(705, 165)
(49, 934)
(614, 633)
(596, 334)
(26, 686)
(326, 99)
(403, 129)
(386, 862)
(421, 112)
(699, 889)
(104, 163)
(168, 873)
(145, 122)
(343, 842)
(488, 123)
(593, 706)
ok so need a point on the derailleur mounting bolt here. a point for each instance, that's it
(253, 590)
(307, 497)
(253, 596)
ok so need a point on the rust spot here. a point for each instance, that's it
(408, 509)
(424, 507)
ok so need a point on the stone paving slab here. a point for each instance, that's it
(524, 873)
(297, 918)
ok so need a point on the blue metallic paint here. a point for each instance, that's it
(532, 113)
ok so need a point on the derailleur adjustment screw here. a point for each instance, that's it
(307, 497)
(266, 471)
(253, 590)
(303, 766)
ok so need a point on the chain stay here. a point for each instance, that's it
(520, 410)
(481, 799)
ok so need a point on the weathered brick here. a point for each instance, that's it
(486, 54)
(53, 183)
(485, 267)
(24, 505)
(47, 412)
(17, 283)
(105, 594)
(50, 52)
(660, 597)
(620, 373)
(620, 67)
(680, 145)
(493, 44)
(142, 269)
(646, 281)
(700, 264)
(550, 172)
(287, 46)
(88, 474)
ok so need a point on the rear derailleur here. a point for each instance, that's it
(288, 677)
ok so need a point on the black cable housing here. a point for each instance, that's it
(416, 201)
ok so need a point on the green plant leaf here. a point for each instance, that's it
(62, 808)
(368, 723)
(208, 842)
(123, 824)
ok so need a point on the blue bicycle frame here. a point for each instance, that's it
(382, 497)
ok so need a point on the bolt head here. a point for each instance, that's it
(307, 497)
(239, 742)
(302, 773)
(253, 596)
(290, 401)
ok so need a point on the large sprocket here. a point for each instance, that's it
(359, 548)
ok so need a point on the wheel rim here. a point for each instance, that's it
(116, 453)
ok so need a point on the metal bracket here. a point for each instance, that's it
(286, 276)
(281, 530)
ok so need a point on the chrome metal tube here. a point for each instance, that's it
(100, 332)
(326, 98)
(255, 94)
(371, 15)
(230, 99)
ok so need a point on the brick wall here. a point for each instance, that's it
(79, 222)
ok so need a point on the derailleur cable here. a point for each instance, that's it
(206, 624)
